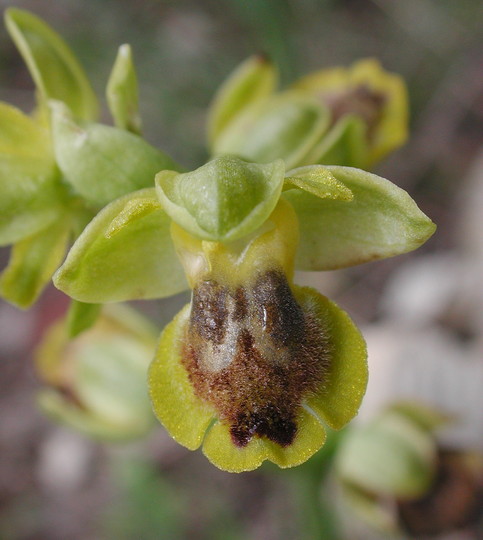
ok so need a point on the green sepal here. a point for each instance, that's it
(31, 195)
(252, 81)
(122, 92)
(380, 221)
(81, 316)
(32, 263)
(286, 127)
(125, 253)
(223, 200)
(102, 162)
(52, 65)
(318, 181)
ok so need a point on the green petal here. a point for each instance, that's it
(345, 144)
(318, 181)
(223, 200)
(284, 127)
(184, 415)
(254, 80)
(220, 450)
(122, 92)
(381, 221)
(54, 68)
(81, 316)
(340, 397)
(30, 192)
(125, 253)
(32, 263)
(103, 162)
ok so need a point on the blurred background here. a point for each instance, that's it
(422, 313)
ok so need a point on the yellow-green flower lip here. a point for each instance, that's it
(194, 421)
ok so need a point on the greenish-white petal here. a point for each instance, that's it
(52, 65)
(125, 253)
(318, 181)
(102, 162)
(381, 221)
(122, 92)
(223, 200)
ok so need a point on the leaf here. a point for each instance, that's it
(252, 81)
(284, 127)
(52, 65)
(101, 162)
(125, 253)
(122, 92)
(381, 221)
(32, 263)
(223, 200)
(31, 196)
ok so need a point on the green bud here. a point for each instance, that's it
(391, 456)
(97, 382)
(122, 92)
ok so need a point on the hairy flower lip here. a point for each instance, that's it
(194, 422)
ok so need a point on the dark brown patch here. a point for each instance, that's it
(278, 310)
(241, 305)
(361, 101)
(208, 312)
(273, 355)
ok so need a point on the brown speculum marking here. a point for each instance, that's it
(361, 101)
(254, 354)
